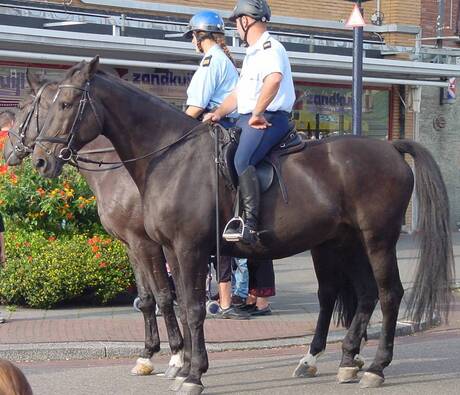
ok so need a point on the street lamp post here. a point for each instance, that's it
(357, 74)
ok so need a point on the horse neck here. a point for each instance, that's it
(138, 123)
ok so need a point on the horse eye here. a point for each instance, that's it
(66, 105)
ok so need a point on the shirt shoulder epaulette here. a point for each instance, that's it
(267, 44)
(206, 61)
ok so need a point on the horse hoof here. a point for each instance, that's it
(171, 372)
(371, 380)
(359, 361)
(144, 367)
(191, 389)
(177, 384)
(347, 375)
(305, 370)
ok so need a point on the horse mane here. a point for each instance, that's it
(158, 101)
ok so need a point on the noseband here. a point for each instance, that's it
(20, 135)
(67, 153)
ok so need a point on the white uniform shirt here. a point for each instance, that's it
(265, 57)
(214, 80)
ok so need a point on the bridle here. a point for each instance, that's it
(20, 145)
(68, 154)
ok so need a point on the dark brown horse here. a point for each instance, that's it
(336, 291)
(348, 197)
(121, 216)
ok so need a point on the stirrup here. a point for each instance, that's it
(236, 227)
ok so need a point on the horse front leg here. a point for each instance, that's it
(193, 267)
(186, 354)
(153, 281)
(147, 306)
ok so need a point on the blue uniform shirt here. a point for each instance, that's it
(214, 80)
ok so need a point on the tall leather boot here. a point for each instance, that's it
(250, 200)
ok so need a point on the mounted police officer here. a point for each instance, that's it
(264, 97)
(217, 75)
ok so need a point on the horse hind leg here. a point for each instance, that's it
(385, 268)
(326, 259)
(360, 273)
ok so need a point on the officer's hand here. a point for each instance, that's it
(211, 117)
(259, 122)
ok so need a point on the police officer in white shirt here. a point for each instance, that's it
(264, 97)
(217, 75)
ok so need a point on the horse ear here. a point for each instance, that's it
(91, 68)
(33, 80)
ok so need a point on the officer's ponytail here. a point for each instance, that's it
(220, 40)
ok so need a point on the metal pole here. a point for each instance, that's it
(216, 147)
(357, 89)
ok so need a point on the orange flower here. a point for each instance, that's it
(13, 178)
(52, 238)
(69, 215)
(41, 192)
(27, 244)
(30, 258)
(95, 248)
(3, 169)
(103, 264)
(98, 255)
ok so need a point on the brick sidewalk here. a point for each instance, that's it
(132, 330)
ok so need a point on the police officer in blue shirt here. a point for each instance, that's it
(217, 75)
(264, 97)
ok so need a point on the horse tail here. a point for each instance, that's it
(431, 296)
(346, 303)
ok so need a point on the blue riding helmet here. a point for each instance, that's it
(205, 21)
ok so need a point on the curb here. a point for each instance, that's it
(112, 350)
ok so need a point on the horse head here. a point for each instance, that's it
(72, 120)
(29, 118)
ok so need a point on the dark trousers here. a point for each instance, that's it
(255, 144)
(261, 277)
(225, 268)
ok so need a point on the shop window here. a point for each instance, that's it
(323, 111)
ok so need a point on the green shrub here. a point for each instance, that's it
(43, 271)
(62, 205)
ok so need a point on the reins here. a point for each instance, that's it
(68, 154)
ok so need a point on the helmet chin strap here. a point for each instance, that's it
(246, 31)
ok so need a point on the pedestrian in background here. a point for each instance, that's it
(12, 380)
(240, 281)
(261, 287)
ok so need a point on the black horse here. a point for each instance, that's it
(122, 218)
(347, 199)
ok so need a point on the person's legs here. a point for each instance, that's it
(254, 145)
(241, 278)
(261, 286)
(225, 292)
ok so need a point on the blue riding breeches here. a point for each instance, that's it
(255, 144)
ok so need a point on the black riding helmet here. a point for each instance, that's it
(256, 9)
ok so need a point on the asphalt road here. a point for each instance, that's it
(427, 363)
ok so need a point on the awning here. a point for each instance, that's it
(28, 44)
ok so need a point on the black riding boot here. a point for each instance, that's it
(250, 199)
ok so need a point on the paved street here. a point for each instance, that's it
(427, 363)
